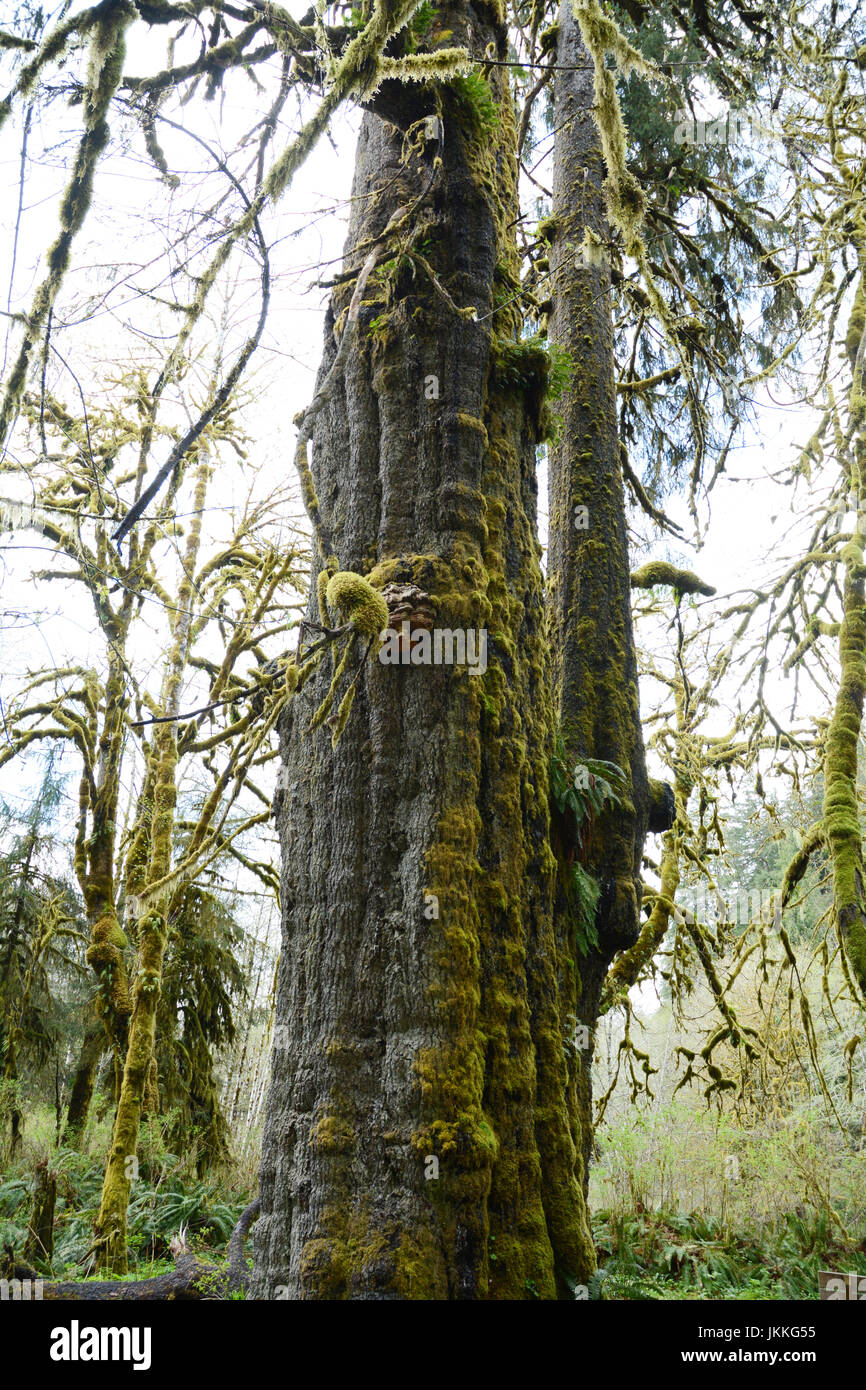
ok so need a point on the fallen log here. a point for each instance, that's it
(191, 1277)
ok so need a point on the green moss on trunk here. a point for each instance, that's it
(841, 816)
(152, 929)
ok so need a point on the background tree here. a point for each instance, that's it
(38, 916)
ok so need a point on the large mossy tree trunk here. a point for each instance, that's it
(595, 675)
(419, 1141)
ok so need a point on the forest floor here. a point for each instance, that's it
(643, 1254)
(668, 1255)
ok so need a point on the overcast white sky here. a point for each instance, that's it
(306, 232)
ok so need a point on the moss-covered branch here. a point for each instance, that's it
(660, 573)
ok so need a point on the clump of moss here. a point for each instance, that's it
(660, 572)
(353, 1254)
(548, 38)
(105, 957)
(353, 596)
(332, 1134)
(457, 592)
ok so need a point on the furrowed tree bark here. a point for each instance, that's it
(419, 1140)
(595, 669)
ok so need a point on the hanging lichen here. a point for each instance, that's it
(107, 52)
(626, 201)
(625, 197)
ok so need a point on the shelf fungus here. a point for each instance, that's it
(409, 609)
